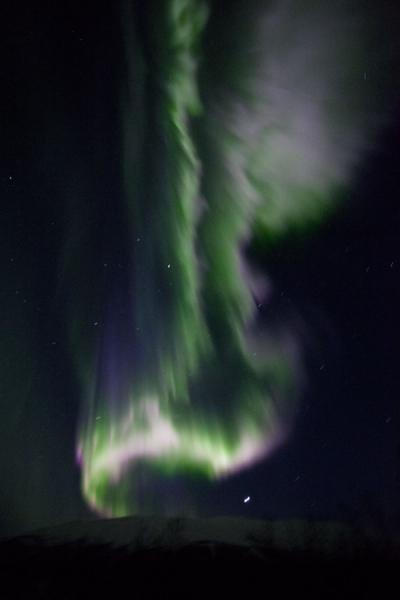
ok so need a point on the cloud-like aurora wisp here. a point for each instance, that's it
(187, 381)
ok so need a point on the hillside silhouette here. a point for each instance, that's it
(160, 557)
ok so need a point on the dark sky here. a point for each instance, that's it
(60, 147)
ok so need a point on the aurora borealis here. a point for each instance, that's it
(189, 202)
(194, 385)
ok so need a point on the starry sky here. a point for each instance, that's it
(134, 170)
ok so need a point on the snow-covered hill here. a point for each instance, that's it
(324, 538)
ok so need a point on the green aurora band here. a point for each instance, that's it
(189, 382)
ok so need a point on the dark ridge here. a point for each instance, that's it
(43, 565)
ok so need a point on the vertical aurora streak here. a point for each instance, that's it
(187, 380)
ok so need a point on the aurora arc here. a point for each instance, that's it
(186, 381)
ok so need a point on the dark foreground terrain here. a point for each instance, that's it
(168, 558)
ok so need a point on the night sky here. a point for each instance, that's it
(143, 151)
